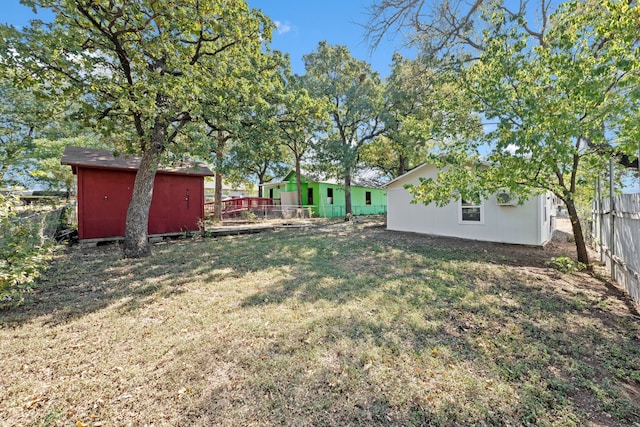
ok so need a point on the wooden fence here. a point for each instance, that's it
(44, 224)
(616, 236)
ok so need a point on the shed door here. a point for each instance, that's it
(105, 198)
(176, 205)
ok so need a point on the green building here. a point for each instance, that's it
(326, 199)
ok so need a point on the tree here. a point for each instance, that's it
(257, 154)
(139, 68)
(284, 122)
(422, 104)
(47, 151)
(559, 100)
(244, 112)
(353, 93)
(24, 248)
(257, 157)
(21, 120)
(300, 118)
(448, 29)
(455, 32)
(35, 126)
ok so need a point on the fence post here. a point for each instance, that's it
(594, 209)
(599, 216)
(612, 210)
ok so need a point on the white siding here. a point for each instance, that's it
(547, 210)
(521, 224)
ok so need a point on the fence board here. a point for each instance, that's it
(623, 257)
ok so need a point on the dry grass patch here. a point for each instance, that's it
(340, 325)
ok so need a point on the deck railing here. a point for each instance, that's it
(263, 207)
(235, 207)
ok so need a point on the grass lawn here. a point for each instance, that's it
(337, 325)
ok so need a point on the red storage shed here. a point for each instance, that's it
(105, 185)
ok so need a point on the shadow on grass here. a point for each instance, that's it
(546, 347)
(556, 369)
(528, 350)
(326, 266)
(85, 280)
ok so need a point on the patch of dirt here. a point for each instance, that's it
(560, 244)
(529, 259)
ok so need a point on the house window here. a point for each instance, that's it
(367, 197)
(330, 196)
(471, 212)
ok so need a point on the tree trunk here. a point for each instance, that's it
(347, 192)
(136, 241)
(299, 181)
(402, 165)
(581, 247)
(217, 207)
(262, 173)
(69, 188)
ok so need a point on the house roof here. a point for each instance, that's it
(289, 178)
(418, 168)
(104, 159)
(412, 171)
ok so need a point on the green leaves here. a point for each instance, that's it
(137, 62)
(143, 72)
(24, 250)
(556, 98)
(424, 105)
(560, 96)
(353, 96)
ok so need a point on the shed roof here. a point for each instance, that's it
(104, 159)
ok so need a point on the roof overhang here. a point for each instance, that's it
(104, 159)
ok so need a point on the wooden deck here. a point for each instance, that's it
(217, 231)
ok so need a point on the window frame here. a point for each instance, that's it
(330, 196)
(462, 205)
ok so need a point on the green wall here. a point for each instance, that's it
(323, 205)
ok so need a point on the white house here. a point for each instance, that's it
(496, 219)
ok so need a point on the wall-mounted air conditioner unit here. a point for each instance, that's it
(505, 198)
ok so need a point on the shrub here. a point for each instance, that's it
(566, 264)
(24, 247)
(248, 216)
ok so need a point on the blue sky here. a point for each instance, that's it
(302, 25)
